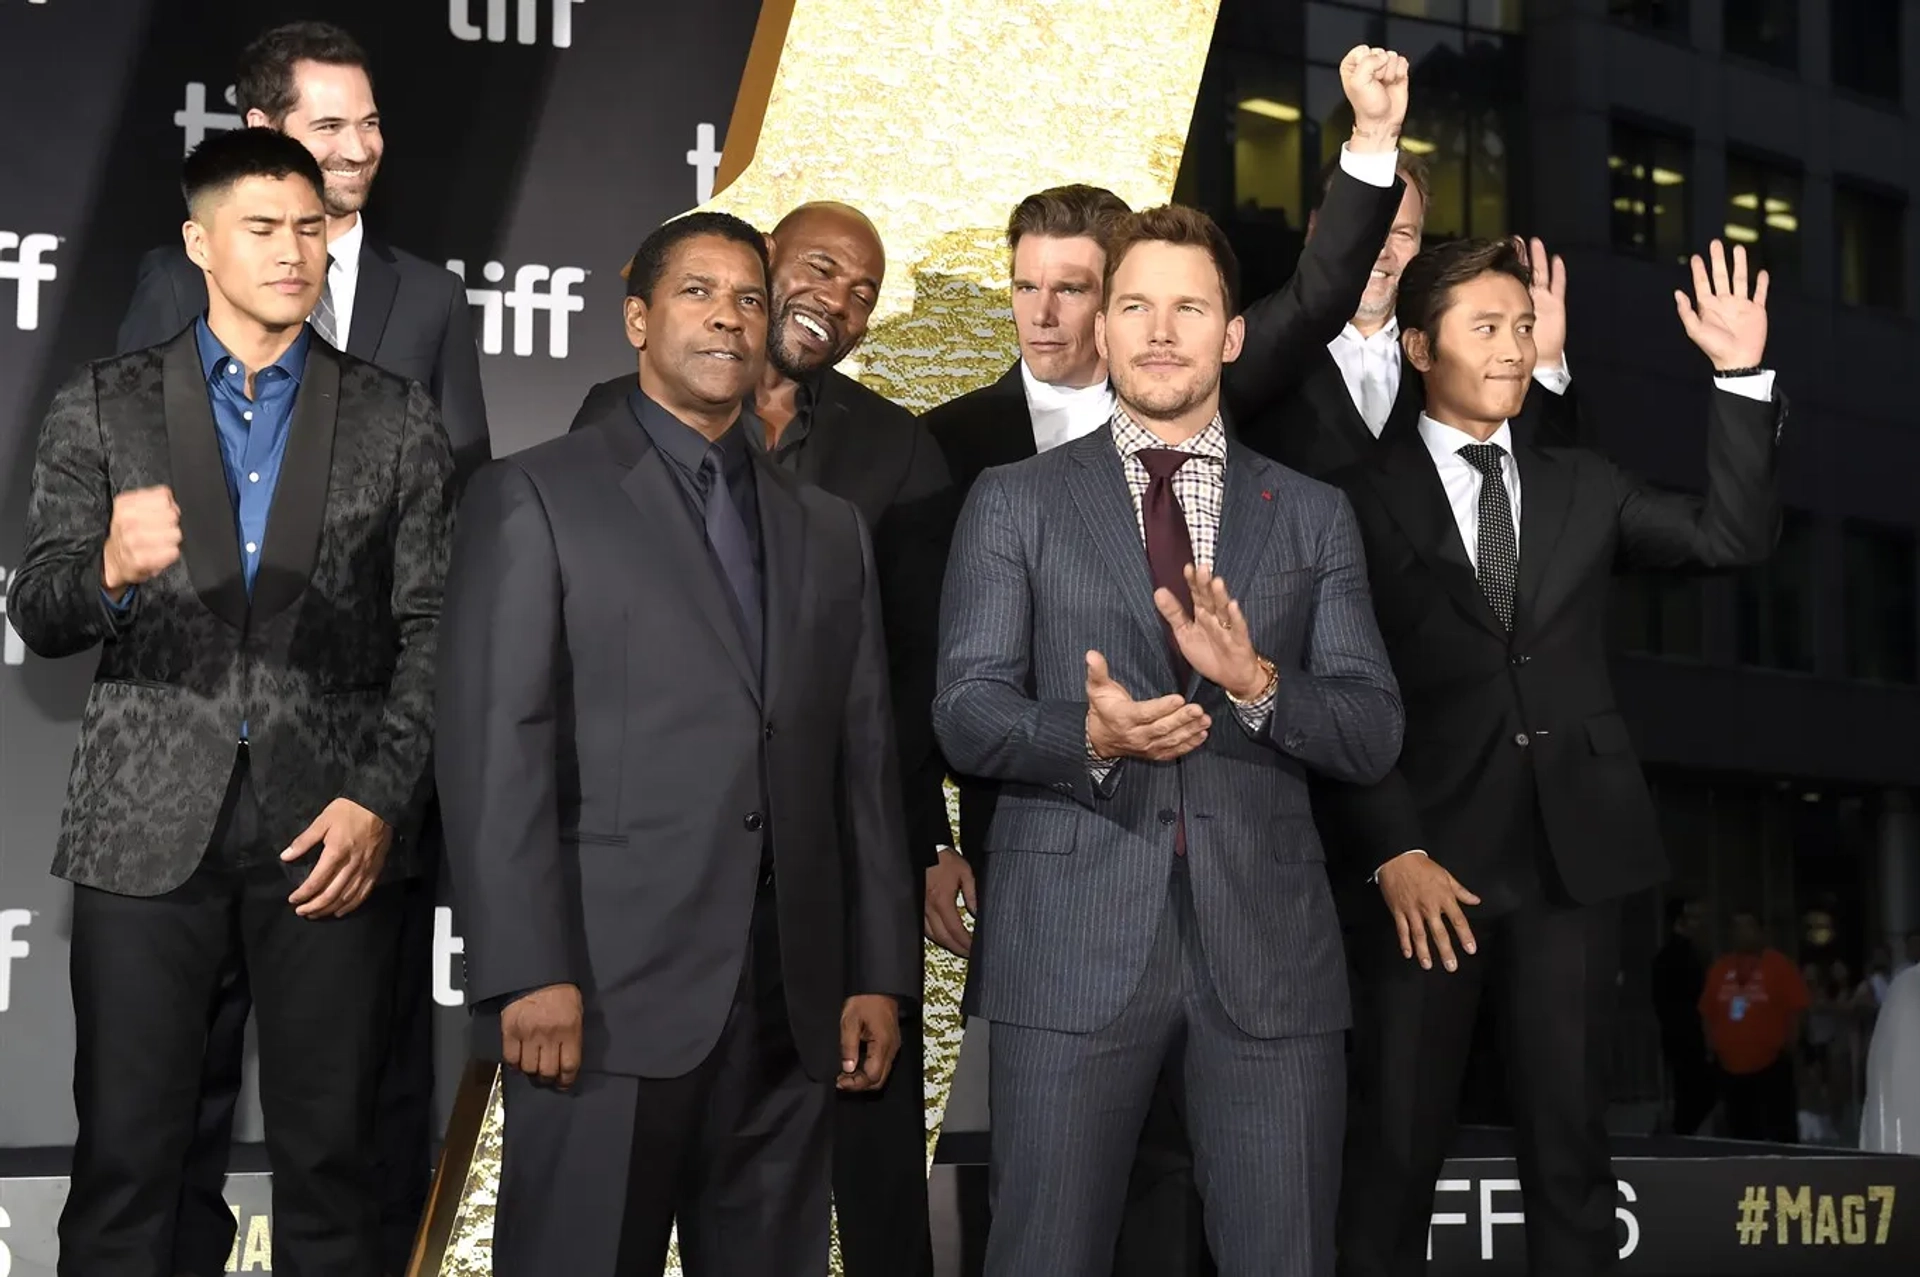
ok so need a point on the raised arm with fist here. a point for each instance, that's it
(1375, 81)
(143, 539)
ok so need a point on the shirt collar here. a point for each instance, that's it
(345, 250)
(1047, 395)
(215, 357)
(806, 405)
(1388, 335)
(1444, 442)
(1129, 436)
(687, 447)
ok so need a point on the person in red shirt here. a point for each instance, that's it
(1752, 1004)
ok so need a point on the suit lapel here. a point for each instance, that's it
(373, 292)
(1010, 433)
(1098, 484)
(1246, 518)
(1546, 492)
(826, 438)
(1410, 488)
(783, 537)
(209, 541)
(292, 540)
(662, 507)
(1334, 404)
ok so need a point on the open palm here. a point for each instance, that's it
(1727, 325)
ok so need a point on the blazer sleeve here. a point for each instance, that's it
(1737, 522)
(1285, 328)
(1549, 420)
(456, 386)
(54, 601)
(394, 779)
(909, 549)
(1340, 712)
(986, 718)
(495, 757)
(158, 311)
(883, 932)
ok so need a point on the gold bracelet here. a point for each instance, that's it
(1266, 689)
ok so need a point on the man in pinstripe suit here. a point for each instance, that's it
(1157, 892)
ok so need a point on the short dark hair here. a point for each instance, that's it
(264, 80)
(1427, 284)
(650, 259)
(214, 166)
(1410, 167)
(1067, 212)
(1175, 224)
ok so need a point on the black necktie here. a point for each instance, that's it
(727, 534)
(1169, 548)
(1497, 559)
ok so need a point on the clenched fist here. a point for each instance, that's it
(143, 540)
(1375, 81)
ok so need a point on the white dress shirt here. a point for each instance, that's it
(343, 276)
(1377, 358)
(1462, 482)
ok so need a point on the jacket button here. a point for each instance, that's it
(768, 732)
(1062, 787)
(1521, 740)
(755, 822)
(1521, 658)
(1167, 816)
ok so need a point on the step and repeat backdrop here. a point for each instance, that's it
(534, 142)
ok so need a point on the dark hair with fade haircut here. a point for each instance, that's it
(225, 159)
(1427, 284)
(1175, 224)
(650, 259)
(1067, 212)
(265, 79)
(1411, 167)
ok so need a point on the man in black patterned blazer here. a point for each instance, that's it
(1157, 894)
(254, 528)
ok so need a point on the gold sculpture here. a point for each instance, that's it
(946, 113)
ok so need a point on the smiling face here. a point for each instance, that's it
(828, 266)
(703, 334)
(1165, 332)
(1477, 362)
(334, 117)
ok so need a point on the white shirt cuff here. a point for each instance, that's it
(1757, 385)
(1411, 851)
(1375, 168)
(1556, 378)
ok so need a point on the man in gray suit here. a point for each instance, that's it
(1156, 893)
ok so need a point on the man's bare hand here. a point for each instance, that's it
(947, 881)
(353, 849)
(1425, 899)
(1723, 320)
(540, 1034)
(1549, 294)
(1375, 81)
(1214, 638)
(1120, 727)
(873, 1019)
(142, 541)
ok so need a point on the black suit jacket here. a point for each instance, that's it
(330, 664)
(992, 426)
(610, 768)
(1498, 720)
(410, 317)
(864, 448)
(1317, 430)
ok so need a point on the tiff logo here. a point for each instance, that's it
(28, 270)
(535, 288)
(13, 648)
(526, 31)
(446, 947)
(11, 946)
(195, 121)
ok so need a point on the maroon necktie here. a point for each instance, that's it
(1169, 551)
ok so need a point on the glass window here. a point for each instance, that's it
(1866, 47)
(1651, 192)
(1765, 30)
(1668, 16)
(1879, 581)
(1763, 212)
(1265, 125)
(1774, 602)
(1870, 233)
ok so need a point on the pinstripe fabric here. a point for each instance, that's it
(1263, 1115)
(1047, 563)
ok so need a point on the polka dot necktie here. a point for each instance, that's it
(1497, 559)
